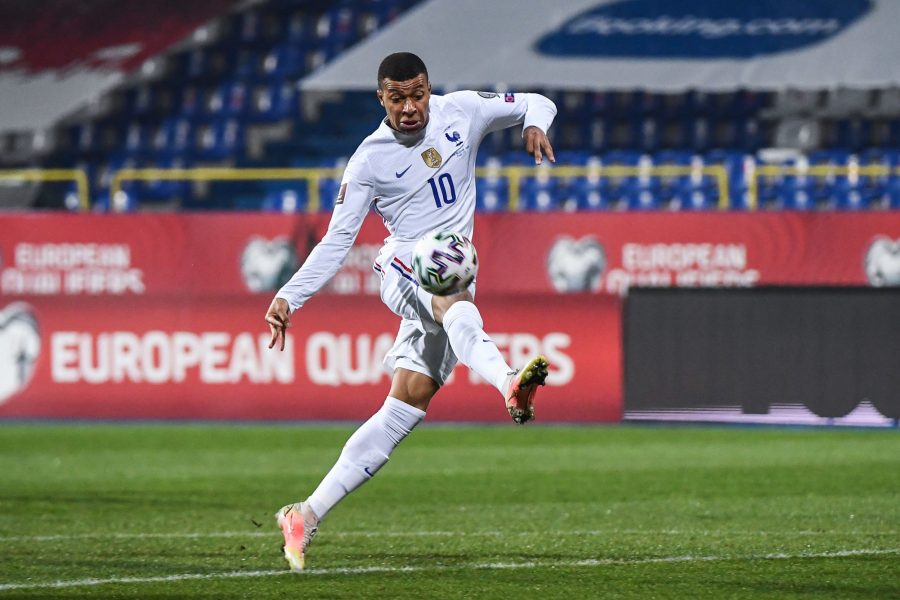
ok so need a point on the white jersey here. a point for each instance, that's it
(416, 182)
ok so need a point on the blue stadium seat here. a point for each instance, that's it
(191, 102)
(641, 197)
(274, 102)
(851, 198)
(598, 103)
(853, 134)
(696, 103)
(300, 27)
(645, 104)
(219, 139)
(246, 65)
(288, 200)
(697, 133)
(197, 63)
(491, 191)
(171, 137)
(283, 61)
(893, 193)
(158, 189)
(138, 138)
(590, 196)
(539, 193)
(645, 133)
(336, 30)
(328, 193)
(227, 100)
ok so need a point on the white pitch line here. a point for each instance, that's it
(402, 534)
(592, 562)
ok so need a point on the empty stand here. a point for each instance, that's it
(228, 96)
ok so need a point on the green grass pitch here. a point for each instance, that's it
(159, 511)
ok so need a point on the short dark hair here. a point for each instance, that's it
(401, 66)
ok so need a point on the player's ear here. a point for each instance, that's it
(380, 95)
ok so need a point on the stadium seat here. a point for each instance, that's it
(853, 134)
(219, 139)
(539, 193)
(167, 190)
(190, 103)
(274, 102)
(491, 190)
(290, 200)
(240, 73)
(893, 193)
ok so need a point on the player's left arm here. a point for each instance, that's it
(537, 144)
(492, 112)
(539, 114)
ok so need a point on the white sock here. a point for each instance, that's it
(473, 347)
(365, 452)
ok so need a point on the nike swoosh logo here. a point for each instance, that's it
(403, 172)
(366, 469)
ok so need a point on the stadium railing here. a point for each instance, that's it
(312, 176)
(812, 171)
(513, 174)
(78, 176)
(515, 177)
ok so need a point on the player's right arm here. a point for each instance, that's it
(326, 258)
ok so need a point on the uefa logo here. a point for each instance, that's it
(20, 347)
(576, 265)
(882, 262)
(267, 264)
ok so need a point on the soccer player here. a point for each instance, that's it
(417, 171)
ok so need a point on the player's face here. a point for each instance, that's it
(406, 102)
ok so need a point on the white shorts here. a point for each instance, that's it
(422, 344)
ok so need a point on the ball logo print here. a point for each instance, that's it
(444, 262)
(266, 264)
(20, 346)
(882, 262)
(576, 265)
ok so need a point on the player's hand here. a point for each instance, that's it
(537, 144)
(279, 319)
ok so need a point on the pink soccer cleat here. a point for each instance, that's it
(523, 385)
(299, 525)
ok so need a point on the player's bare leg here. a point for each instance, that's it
(462, 321)
(367, 450)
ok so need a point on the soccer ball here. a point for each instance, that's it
(444, 262)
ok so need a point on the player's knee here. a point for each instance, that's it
(441, 304)
(413, 388)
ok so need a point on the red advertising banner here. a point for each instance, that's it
(207, 358)
(609, 252)
(239, 254)
(160, 316)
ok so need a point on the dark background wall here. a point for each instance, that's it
(824, 348)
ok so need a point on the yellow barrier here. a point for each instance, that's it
(810, 171)
(311, 175)
(76, 175)
(514, 175)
